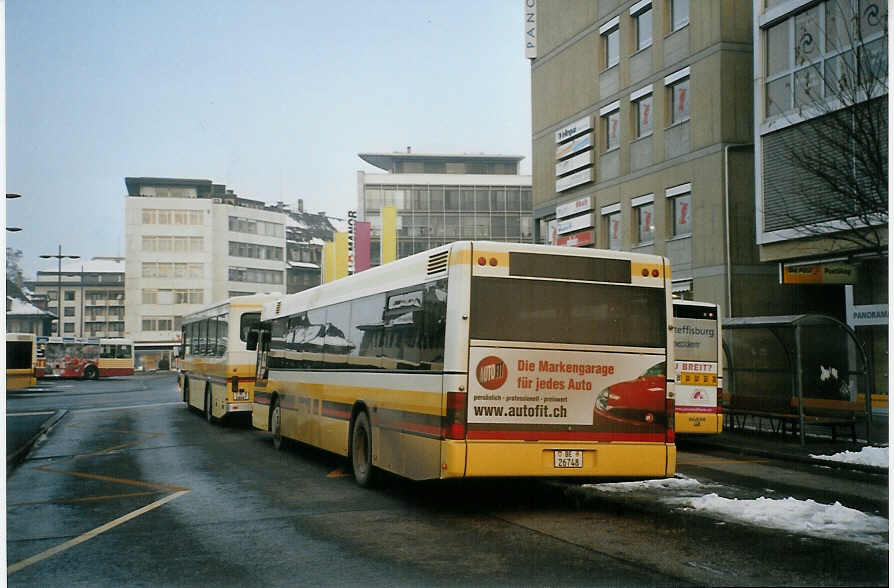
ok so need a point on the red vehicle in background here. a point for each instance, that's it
(83, 357)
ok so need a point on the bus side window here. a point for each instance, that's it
(124, 352)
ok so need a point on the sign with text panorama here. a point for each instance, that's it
(571, 208)
(608, 391)
(572, 147)
(585, 159)
(531, 29)
(827, 273)
(575, 223)
(579, 239)
(575, 179)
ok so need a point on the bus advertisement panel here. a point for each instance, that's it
(478, 359)
(70, 357)
(699, 375)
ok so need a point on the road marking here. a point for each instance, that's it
(91, 534)
(111, 479)
(79, 410)
(87, 498)
(14, 414)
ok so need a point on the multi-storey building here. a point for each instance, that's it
(642, 132)
(305, 235)
(191, 242)
(821, 159)
(23, 316)
(92, 296)
(444, 198)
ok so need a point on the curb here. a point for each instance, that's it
(19, 455)
(743, 449)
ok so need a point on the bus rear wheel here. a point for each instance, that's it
(276, 424)
(91, 373)
(361, 452)
(208, 415)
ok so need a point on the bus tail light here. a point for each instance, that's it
(235, 386)
(455, 420)
(671, 409)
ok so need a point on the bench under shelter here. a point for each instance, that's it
(795, 371)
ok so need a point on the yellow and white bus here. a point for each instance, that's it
(21, 361)
(478, 359)
(699, 371)
(115, 357)
(217, 372)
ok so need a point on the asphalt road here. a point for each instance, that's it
(133, 488)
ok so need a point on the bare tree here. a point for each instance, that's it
(14, 267)
(836, 148)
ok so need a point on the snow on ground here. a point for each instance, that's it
(826, 521)
(806, 517)
(871, 456)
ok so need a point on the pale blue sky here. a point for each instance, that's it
(272, 98)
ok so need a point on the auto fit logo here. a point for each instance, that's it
(491, 372)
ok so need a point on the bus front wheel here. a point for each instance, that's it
(91, 373)
(361, 451)
(276, 424)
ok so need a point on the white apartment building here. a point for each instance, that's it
(91, 294)
(191, 243)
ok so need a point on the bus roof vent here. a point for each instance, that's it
(437, 263)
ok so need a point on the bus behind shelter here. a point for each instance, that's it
(800, 369)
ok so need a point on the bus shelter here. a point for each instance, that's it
(804, 369)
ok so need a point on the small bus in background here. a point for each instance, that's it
(70, 357)
(84, 357)
(115, 357)
(478, 359)
(699, 373)
(21, 361)
(217, 371)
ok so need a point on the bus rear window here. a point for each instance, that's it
(248, 321)
(541, 311)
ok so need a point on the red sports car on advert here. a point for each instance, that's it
(639, 402)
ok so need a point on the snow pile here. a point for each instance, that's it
(871, 456)
(678, 482)
(798, 516)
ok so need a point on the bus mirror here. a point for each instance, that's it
(251, 341)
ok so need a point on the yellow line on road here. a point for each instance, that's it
(91, 534)
(88, 498)
(111, 479)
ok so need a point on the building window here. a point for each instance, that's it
(260, 276)
(611, 42)
(255, 227)
(679, 16)
(644, 209)
(819, 51)
(678, 90)
(254, 251)
(642, 107)
(157, 323)
(680, 204)
(611, 221)
(68, 327)
(69, 295)
(642, 15)
(610, 121)
(69, 311)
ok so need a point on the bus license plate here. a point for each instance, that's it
(568, 458)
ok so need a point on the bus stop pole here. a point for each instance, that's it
(799, 384)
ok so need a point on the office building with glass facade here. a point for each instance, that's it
(444, 198)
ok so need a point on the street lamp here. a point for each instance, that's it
(10, 197)
(59, 257)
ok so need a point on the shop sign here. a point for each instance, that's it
(579, 239)
(575, 146)
(574, 207)
(576, 179)
(574, 129)
(867, 315)
(576, 223)
(828, 273)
